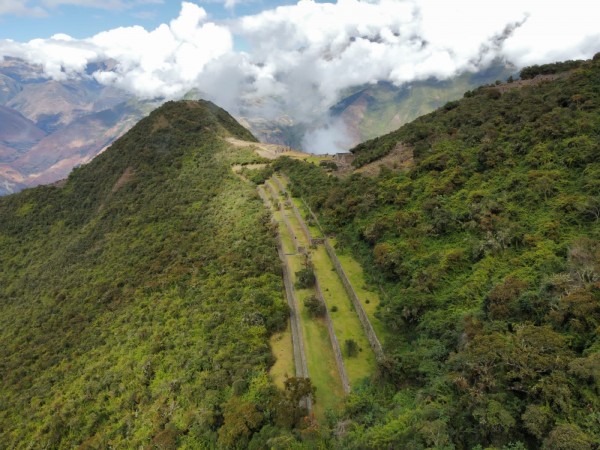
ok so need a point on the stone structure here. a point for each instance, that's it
(362, 315)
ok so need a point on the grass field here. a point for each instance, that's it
(300, 236)
(283, 180)
(345, 320)
(281, 346)
(268, 189)
(314, 230)
(319, 354)
(316, 159)
(286, 240)
(368, 298)
(320, 358)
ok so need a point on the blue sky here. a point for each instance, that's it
(25, 20)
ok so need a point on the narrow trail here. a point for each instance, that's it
(269, 151)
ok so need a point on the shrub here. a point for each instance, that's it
(350, 348)
(305, 278)
(315, 307)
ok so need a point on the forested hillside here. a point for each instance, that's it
(487, 255)
(136, 301)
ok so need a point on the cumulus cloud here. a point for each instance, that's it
(299, 58)
(164, 62)
(329, 47)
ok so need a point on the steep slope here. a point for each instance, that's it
(8, 88)
(375, 110)
(17, 131)
(53, 157)
(487, 255)
(138, 298)
(53, 104)
(17, 135)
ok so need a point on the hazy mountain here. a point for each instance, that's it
(368, 111)
(17, 131)
(68, 112)
(9, 87)
(374, 110)
(47, 127)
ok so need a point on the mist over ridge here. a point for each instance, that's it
(297, 61)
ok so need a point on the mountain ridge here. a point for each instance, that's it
(153, 257)
(139, 296)
(67, 112)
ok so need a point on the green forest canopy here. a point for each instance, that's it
(138, 299)
(488, 255)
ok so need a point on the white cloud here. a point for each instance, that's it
(20, 8)
(165, 62)
(330, 138)
(302, 56)
(229, 4)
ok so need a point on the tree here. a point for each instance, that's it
(292, 405)
(567, 436)
(241, 418)
(305, 278)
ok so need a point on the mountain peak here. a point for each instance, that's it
(193, 116)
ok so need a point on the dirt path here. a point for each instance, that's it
(269, 151)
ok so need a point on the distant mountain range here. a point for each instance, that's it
(47, 127)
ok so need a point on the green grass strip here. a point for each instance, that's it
(345, 320)
(369, 298)
(320, 358)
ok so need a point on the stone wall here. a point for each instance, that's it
(290, 229)
(337, 351)
(362, 315)
(265, 198)
(279, 184)
(314, 216)
(274, 193)
(301, 221)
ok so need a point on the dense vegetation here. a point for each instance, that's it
(474, 123)
(487, 253)
(548, 69)
(136, 302)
